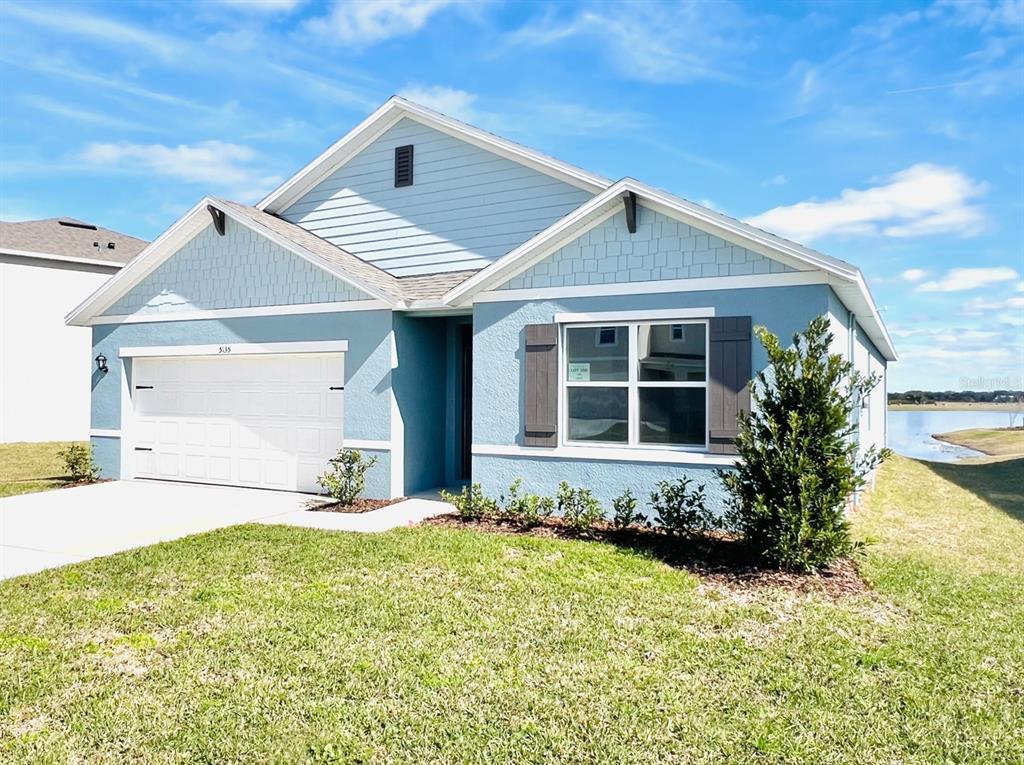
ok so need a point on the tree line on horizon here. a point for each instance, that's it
(963, 396)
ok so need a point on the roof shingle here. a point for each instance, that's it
(69, 238)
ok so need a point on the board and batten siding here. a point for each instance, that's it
(466, 207)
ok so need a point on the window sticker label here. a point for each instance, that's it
(579, 371)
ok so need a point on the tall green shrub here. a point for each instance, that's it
(799, 462)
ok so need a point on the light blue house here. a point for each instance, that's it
(460, 307)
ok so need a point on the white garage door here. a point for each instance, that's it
(269, 421)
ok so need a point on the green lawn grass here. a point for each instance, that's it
(433, 645)
(1000, 442)
(28, 467)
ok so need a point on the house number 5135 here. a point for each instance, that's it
(224, 349)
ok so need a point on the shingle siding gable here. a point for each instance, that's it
(466, 207)
(662, 248)
(239, 270)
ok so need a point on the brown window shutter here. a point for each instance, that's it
(540, 393)
(729, 379)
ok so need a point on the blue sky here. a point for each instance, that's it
(889, 135)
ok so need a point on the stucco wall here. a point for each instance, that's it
(466, 207)
(44, 364)
(498, 406)
(867, 359)
(661, 248)
(238, 270)
(367, 368)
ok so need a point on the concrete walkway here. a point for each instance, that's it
(54, 528)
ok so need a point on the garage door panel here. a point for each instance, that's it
(168, 465)
(220, 469)
(195, 466)
(252, 420)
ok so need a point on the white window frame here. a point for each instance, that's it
(632, 383)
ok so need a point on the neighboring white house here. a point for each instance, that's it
(47, 267)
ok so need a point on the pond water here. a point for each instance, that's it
(910, 433)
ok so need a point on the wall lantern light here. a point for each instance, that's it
(101, 363)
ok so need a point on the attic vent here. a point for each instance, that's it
(76, 224)
(403, 166)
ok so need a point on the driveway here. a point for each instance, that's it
(53, 528)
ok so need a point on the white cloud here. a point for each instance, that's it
(214, 164)
(268, 6)
(963, 279)
(451, 101)
(67, 111)
(112, 33)
(988, 16)
(923, 199)
(366, 22)
(775, 180)
(913, 274)
(980, 305)
(681, 42)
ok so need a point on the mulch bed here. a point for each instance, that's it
(717, 558)
(361, 505)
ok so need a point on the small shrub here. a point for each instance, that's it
(579, 508)
(78, 463)
(471, 503)
(346, 478)
(799, 457)
(525, 509)
(681, 510)
(624, 512)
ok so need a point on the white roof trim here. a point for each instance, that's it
(173, 239)
(114, 264)
(607, 203)
(391, 112)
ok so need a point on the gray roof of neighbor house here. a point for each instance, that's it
(68, 238)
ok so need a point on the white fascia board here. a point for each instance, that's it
(113, 265)
(606, 453)
(697, 284)
(302, 252)
(183, 229)
(234, 349)
(237, 313)
(663, 314)
(390, 113)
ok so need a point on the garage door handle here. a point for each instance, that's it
(143, 449)
(143, 387)
(337, 387)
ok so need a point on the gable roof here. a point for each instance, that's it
(393, 110)
(68, 239)
(395, 292)
(846, 279)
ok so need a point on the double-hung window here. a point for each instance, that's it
(640, 384)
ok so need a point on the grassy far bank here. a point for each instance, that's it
(997, 442)
(28, 467)
(432, 645)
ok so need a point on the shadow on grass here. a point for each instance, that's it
(1001, 484)
(715, 558)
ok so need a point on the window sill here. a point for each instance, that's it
(608, 454)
